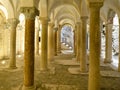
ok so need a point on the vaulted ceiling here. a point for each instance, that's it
(61, 11)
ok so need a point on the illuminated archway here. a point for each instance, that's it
(67, 37)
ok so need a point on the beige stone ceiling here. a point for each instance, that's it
(61, 11)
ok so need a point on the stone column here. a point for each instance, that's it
(108, 44)
(44, 44)
(75, 41)
(29, 47)
(83, 50)
(95, 44)
(78, 36)
(58, 41)
(50, 42)
(37, 42)
(13, 22)
(119, 48)
(55, 41)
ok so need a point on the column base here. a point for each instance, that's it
(108, 61)
(28, 88)
(55, 54)
(58, 54)
(50, 60)
(118, 69)
(78, 60)
(76, 71)
(83, 72)
(43, 69)
(5, 57)
(12, 67)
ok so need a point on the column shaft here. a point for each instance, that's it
(37, 42)
(29, 53)
(29, 47)
(108, 48)
(55, 41)
(50, 43)
(13, 23)
(95, 44)
(58, 41)
(119, 48)
(83, 51)
(44, 44)
(78, 41)
(75, 41)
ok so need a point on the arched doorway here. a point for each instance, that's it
(67, 39)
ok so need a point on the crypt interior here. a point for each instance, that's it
(59, 44)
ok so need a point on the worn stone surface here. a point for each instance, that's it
(58, 76)
(110, 73)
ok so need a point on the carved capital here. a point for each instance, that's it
(30, 12)
(56, 28)
(84, 17)
(78, 23)
(12, 22)
(95, 4)
(51, 24)
(44, 20)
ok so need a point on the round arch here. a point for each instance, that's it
(64, 9)
(67, 37)
(8, 8)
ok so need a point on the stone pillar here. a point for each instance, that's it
(55, 41)
(58, 41)
(108, 44)
(37, 42)
(75, 41)
(13, 22)
(44, 44)
(50, 42)
(95, 44)
(78, 36)
(119, 48)
(29, 47)
(83, 50)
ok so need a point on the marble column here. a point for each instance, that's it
(83, 50)
(108, 44)
(78, 36)
(44, 44)
(29, 47)
(95, 45)
(119, 48)
(37, 42)
(50, 42)
(13, 22)
(58, 41)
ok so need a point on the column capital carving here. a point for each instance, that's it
(51, 24)
(96, 4)
(44, 20)
(29, 12)
(56, 28)
(78, 23)
(12, 22)
(84, 17)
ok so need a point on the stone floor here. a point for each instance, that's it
(58, 77)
